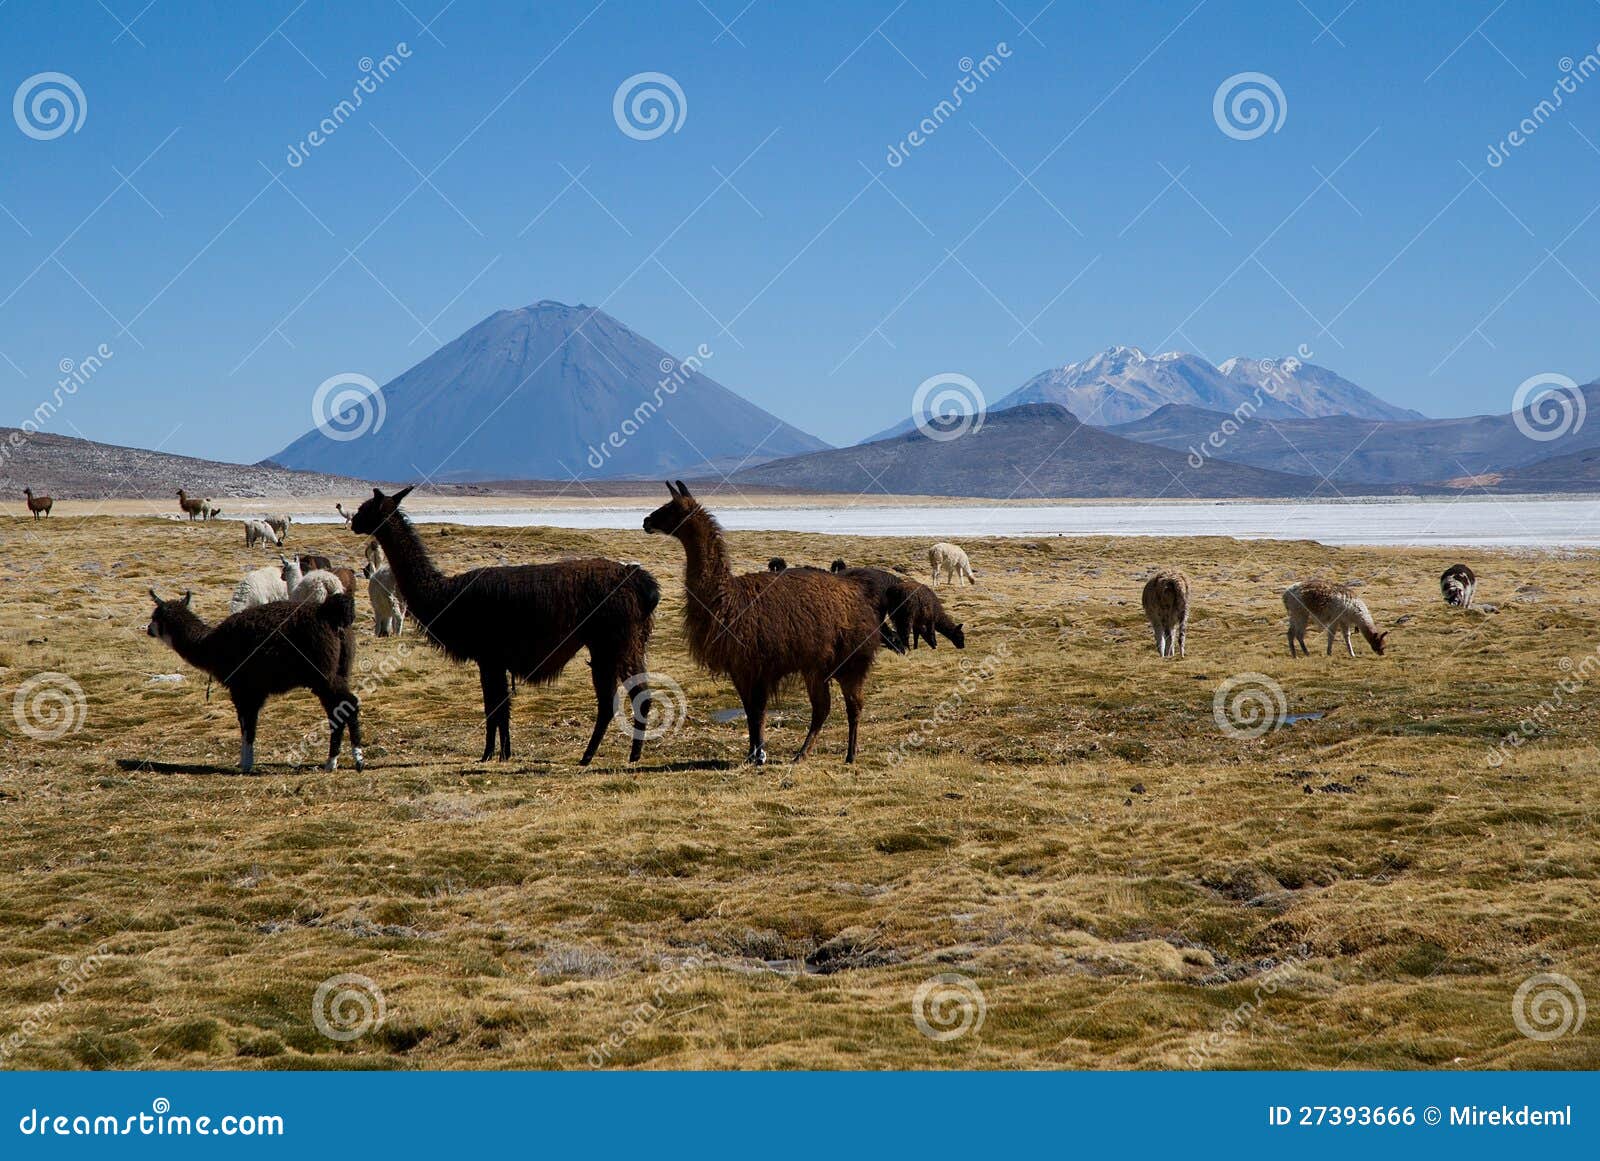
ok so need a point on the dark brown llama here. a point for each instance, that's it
(763, 627)
(528, 619)
(38, 505)
(195, 508)
(270, 649)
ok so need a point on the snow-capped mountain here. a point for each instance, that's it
(551, 391)
(1121, 384)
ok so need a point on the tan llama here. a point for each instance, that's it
(1335, 608)
(1166, 607)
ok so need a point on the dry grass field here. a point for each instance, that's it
(1052, 820)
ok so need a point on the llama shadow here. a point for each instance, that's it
(140, 765)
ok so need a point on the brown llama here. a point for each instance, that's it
(763, 627)
(195, 508)
(1166, 607)
(909, 608)
(528, 620)
(38, 505)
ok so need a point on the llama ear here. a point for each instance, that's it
(671, 491)
(153, 596)
(187, 597)
(377, 493)
(403, 493)
(683, 490)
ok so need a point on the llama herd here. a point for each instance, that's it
(291, 625)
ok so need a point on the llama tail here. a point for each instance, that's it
(646, 589)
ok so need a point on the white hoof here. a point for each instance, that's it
(355, 756)
(330, 765)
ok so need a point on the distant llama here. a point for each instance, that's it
(270, 649)
(761, 628)
(38, 505)
(528, 619)
(259, 532)
(910, 608)
(951, 561)
(279, 524)
(343, 515)
(195, 509)
(1334, 608)
(1458, 584)
(777, 564)
(1166, 607)
(208, 510)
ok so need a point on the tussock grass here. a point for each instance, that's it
(1127, 885)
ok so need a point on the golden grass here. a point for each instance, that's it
(1125, 884)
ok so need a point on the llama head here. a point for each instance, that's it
(672, 515)
(162, 617)
(378, 511)
(1376, 641)
(958, 637)
(837, 566)
(777, 564)
(28, 492)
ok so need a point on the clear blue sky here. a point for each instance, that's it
(227, 296)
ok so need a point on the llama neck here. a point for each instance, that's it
(705, 557)
(415, 575)
(189, 639)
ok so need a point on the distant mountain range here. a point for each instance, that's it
(1123, 383)
(1033, 451)
(553, 392)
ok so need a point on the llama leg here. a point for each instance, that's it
(755, 713)
(346, 696)
(821, 703)
(248, 712)
(496, 700)
(851, 685)
(603, 670)
(1351, 648)
(1183, 636)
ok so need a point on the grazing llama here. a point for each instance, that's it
(528, 619)
(259, 532)
(763, 627)
(1334, 608)
(1166, 607)
(777, 564)
(271, 649)
(1458, 584)
(38, 505)
(911, 609)
(280, 525)
(951, 561)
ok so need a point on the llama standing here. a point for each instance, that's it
(1166, 607)
(528, 619)
(1458, 584)
(38, 505)
(1335, 608)
(763, 627)
(910, 608)
(388, 606)
(195, 509)
(271, 649)
(951, 561)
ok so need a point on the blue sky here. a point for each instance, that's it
(488, 171)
